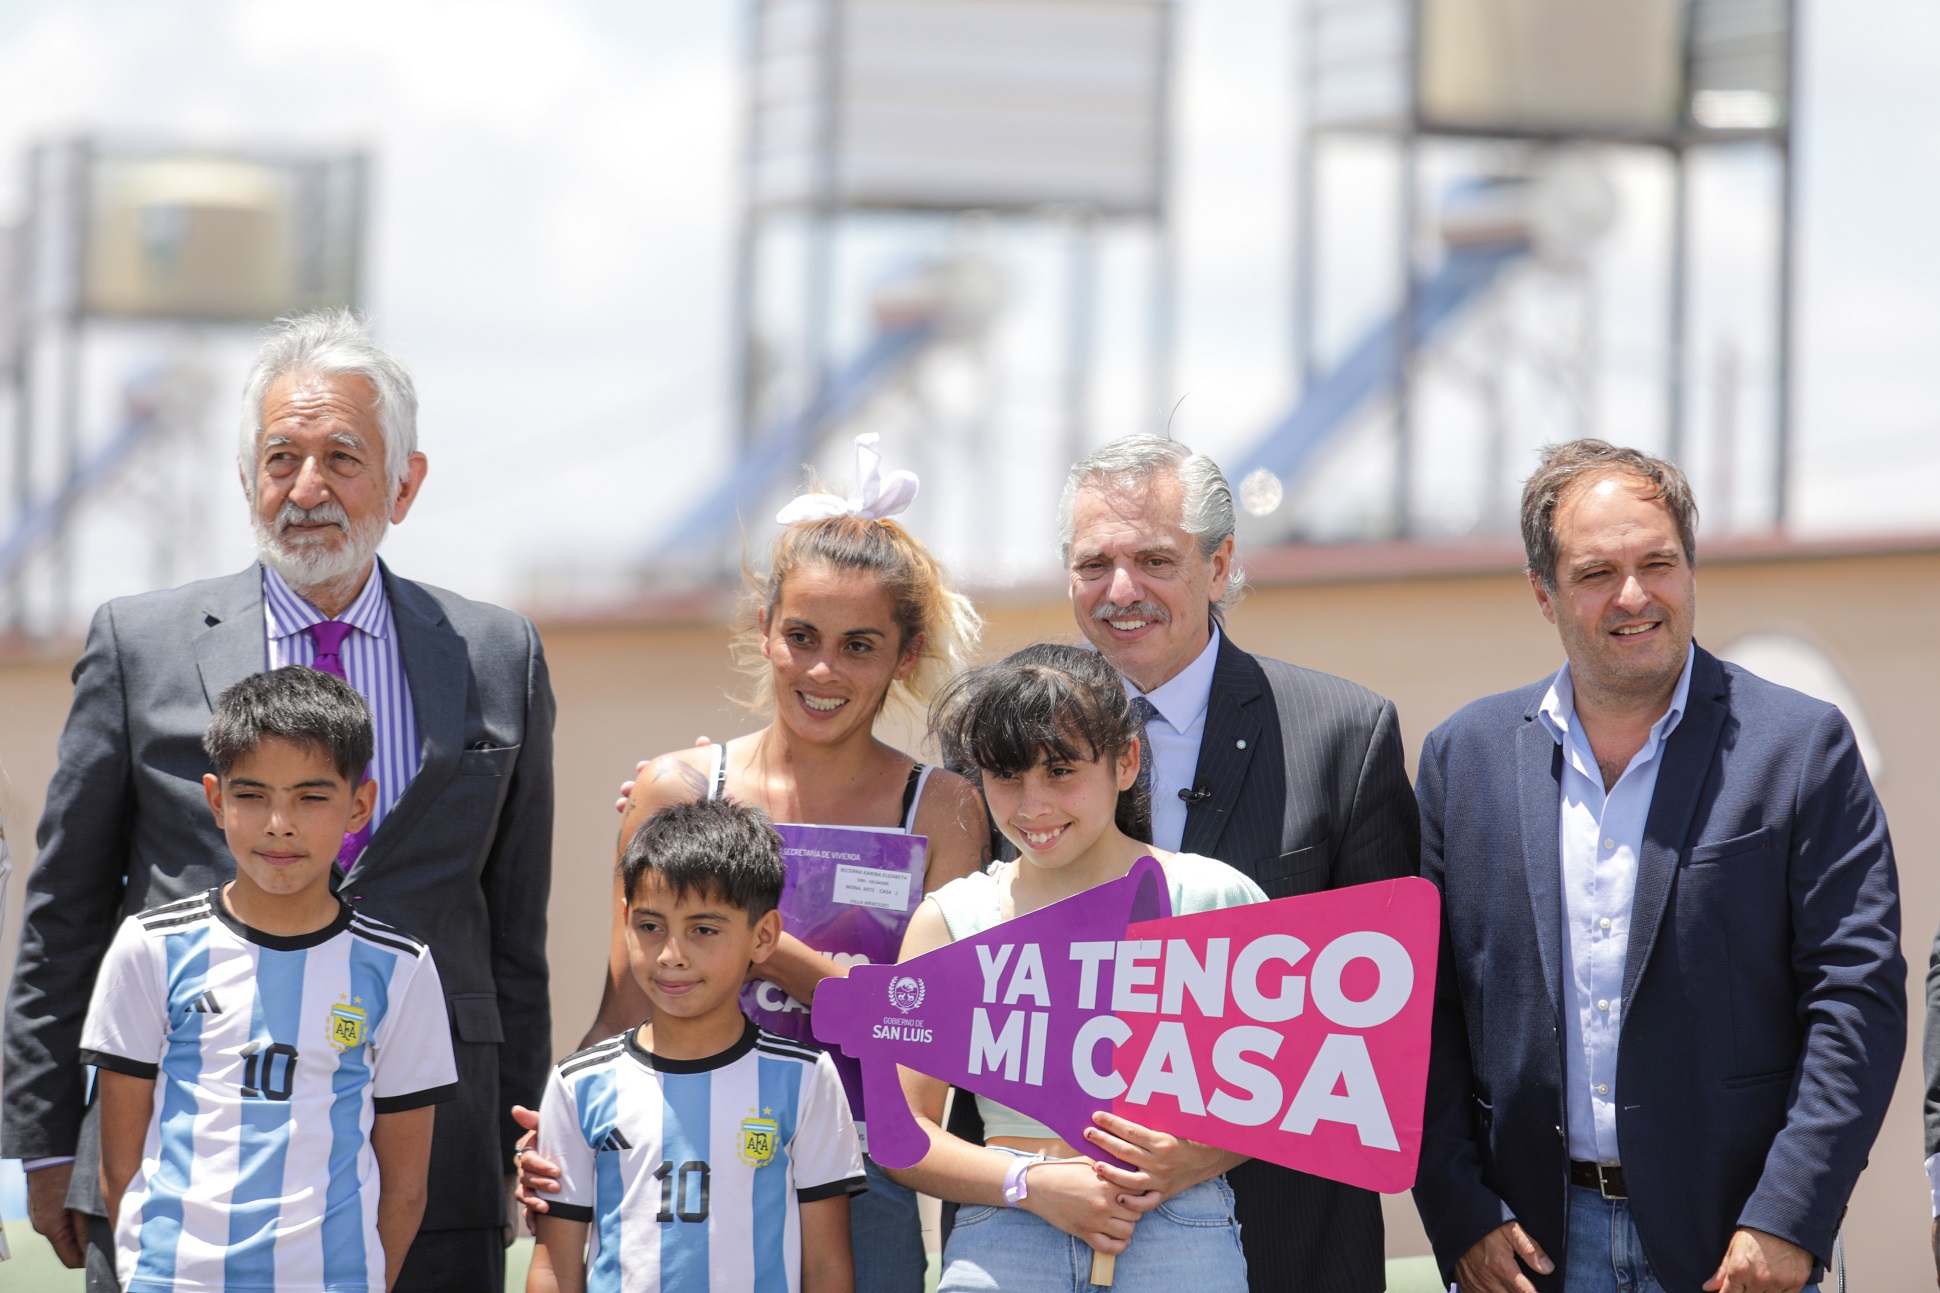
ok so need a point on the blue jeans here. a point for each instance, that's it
(887, 1236)
(1188, 1242)
(1605, 1255)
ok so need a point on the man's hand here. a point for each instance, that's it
(1160, 1162)
(1760, 1263)
(1491, 1266)
(512, 1209)
(536, 1175)
(1936, 1250)
(47, 1209)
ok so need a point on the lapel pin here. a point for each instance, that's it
(1242, 745)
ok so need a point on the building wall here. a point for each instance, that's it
(628, 689)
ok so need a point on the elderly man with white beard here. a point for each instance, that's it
(457, 853)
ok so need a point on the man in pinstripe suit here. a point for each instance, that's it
(1292, 776)
(460, 856)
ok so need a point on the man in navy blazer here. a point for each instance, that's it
(1671, 1003)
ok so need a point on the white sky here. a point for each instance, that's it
(552, 234)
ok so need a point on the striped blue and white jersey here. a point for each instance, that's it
(271, 1056)
(692, 1172)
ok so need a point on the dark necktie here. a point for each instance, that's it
(329, 636)
(1143, 710)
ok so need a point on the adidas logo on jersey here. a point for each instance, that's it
(615, 1141)
(206, 1004)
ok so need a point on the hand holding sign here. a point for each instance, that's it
(1294, 1031)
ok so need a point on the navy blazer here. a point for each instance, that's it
(1764, 990)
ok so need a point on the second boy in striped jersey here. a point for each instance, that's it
(700, 1151)
(268, 1057)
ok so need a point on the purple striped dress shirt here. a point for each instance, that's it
(372, 664)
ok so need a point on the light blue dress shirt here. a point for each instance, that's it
(1601, 837)
(1174, 732)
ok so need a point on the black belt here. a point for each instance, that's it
(1605, 1178)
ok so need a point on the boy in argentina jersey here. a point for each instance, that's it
(698, 1153)
(268, 1058)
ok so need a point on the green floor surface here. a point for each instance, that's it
(34, 1268)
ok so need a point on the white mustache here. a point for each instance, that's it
(1132, 611)
(328, 513)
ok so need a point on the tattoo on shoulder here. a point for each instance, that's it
(676, 768)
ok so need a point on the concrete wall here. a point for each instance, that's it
(630, 688)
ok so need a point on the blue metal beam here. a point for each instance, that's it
(1327, 408)
(45, 519)
(790, 443)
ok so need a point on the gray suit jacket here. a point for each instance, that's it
(1309, 791)
(463, 860)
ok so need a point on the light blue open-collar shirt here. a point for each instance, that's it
(1174, 732)
(1601, 836)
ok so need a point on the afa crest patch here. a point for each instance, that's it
(760, 1138)
(346, 1024)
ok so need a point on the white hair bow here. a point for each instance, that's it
(877, 495)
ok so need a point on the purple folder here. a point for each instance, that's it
(849, 895)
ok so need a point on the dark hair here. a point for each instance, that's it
(1565, 466)
(1046, 703)
(317, 711)
(722, 849)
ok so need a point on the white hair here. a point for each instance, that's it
(332, 342)
(1205, 507)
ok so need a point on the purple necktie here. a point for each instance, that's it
(329, 636)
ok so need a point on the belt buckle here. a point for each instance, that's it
(1603, 1172)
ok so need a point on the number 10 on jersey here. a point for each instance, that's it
(269, 1070)
(683, 1191)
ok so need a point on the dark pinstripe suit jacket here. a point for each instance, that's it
(1309, 792)
(463, 861)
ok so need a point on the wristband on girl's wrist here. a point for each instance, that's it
(1016, 1187)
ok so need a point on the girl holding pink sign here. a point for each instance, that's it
(1056, 747)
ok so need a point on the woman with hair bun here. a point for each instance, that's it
(852, 614)
(1050, 734)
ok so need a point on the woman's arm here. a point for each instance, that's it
(127, 1106)
(676, 778)
(401, 1143)
(952, 815)
(623, 1004)
(796, 968)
